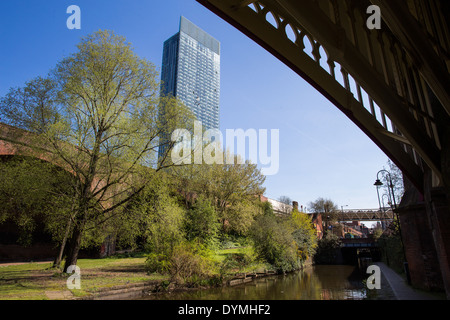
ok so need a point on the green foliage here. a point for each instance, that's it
(202, 222)
(232, 240)
(98, 116)
(232, 189)
(304, 234)
(236, 262)
(273, 244)
(239, 217)
(188, 264)
(33, 107)
(157, 262)
(266, 208)
(154, 218)
(33, 190)
(284, 243)
(327, 249)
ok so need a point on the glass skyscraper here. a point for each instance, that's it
(191, 72)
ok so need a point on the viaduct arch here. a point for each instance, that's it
(391, 82)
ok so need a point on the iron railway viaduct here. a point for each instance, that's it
(393, 82)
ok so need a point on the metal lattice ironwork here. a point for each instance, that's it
(384, 83)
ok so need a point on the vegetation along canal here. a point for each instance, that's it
(321, 282)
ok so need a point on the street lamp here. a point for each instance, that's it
(385, 216)
(378, 184)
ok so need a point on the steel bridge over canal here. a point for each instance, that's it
(391, 80)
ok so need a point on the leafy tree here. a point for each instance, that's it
(231, 188)
(154, 218)
(327, 249)
(31, 190)
(273, 244)
(201, 221)
(266, 208)
(326, 207)
(102, 125)
(286, 203)
(304, 234)
(397, 182)
(33, 107)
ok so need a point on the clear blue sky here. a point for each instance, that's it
(322, 153)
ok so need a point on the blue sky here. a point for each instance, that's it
(322, 153)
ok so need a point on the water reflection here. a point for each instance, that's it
(315, 283)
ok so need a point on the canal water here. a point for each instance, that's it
(322, 282)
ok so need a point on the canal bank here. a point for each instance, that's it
(335, 282)
(327, 282)
(400, 288)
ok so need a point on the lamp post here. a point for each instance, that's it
(378, 184)
(385, 217)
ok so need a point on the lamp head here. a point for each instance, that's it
(378, 183)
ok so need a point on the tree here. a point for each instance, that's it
(201, 221)
(235, 185)
(154, 217)
(273, 244)
(397, 182)
(33, 107)
(326, 252)
(31, 190)
(326, 207)
(233, 189)
(102, 126)
(266, 208)
(286, 203)
(304, 234)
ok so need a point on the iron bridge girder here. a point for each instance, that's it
(389, 98)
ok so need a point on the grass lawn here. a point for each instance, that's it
(38, 281)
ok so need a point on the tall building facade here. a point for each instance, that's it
(191, 72)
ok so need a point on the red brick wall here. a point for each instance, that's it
(420, 250)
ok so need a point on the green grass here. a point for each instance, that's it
(32, 280)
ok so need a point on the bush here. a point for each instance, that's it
(157, 262)
(185, 264)
(188, 265)
(201, 222)
(273, 244)
(236, 261)
(327, 249)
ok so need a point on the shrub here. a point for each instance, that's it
(327, 249)
(273, 244)
(185, 264)
(157, 262)
(236, 261)
(201, 222)
(189, 266)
